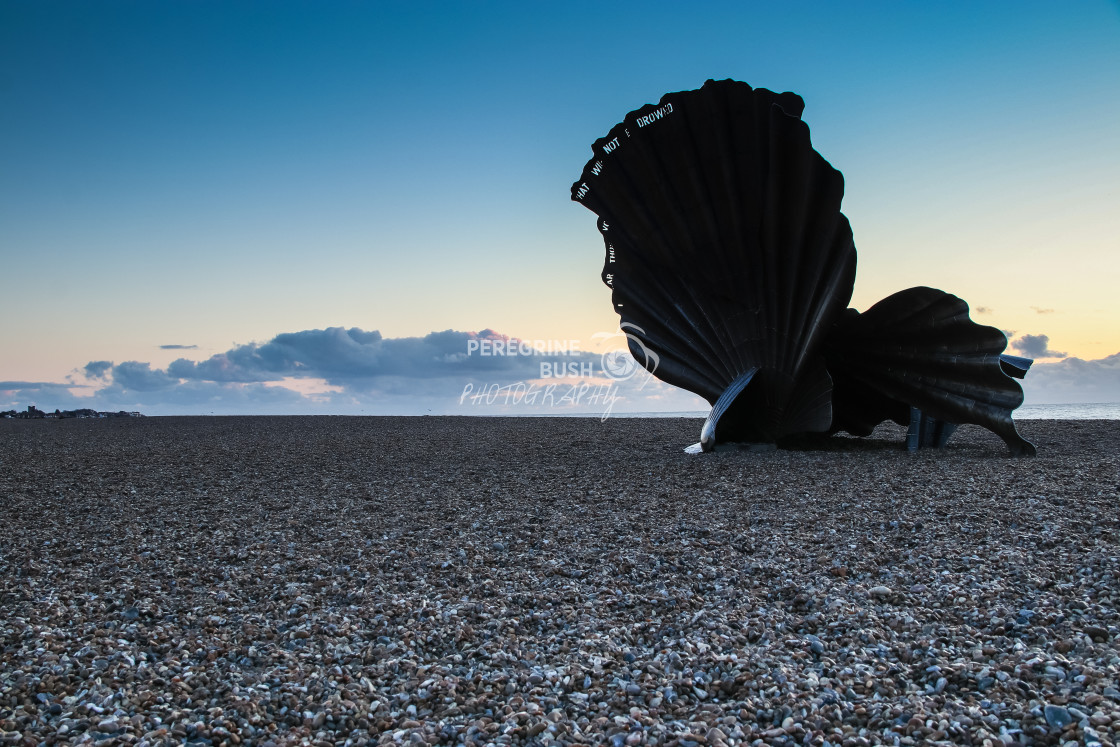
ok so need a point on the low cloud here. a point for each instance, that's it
(983, 310)
(139, 377)
(98, 369)
(354, 371)
(178, 347)
(46, 395)
(361, 360)
(1074, 380)
(1038, 310)
(47, 387)
(1036, 346)
(350, 371)
(203, 397)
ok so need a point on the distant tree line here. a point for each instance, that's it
(34, 413)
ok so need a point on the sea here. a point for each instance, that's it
(1091, 411)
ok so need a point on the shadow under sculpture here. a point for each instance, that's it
(732, 268)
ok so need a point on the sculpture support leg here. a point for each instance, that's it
(708, 432)
(926, 431)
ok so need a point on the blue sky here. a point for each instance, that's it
(181, 180)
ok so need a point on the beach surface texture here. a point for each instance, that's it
(331, 580)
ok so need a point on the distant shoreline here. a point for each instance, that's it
(34, 413)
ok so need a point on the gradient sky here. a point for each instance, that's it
(185, 179)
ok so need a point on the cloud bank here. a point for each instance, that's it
(353, 371)
(1074, 380)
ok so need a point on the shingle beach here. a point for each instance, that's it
(330, 581)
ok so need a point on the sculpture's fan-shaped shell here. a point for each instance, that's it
(726, 250)
(919, 348)
(731, 267)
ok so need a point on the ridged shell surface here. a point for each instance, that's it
(726, 250)
(919, 348)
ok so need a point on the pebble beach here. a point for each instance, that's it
(552, 581)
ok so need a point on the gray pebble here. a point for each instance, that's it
(416, 621)
(1057, 716)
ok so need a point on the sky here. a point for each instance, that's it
(298, 207)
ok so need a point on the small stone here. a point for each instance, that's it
(1098, 634)
(624, 626)
(1057, 716)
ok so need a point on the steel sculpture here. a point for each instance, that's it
(731, 268)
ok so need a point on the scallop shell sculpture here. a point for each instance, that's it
(731, 268)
